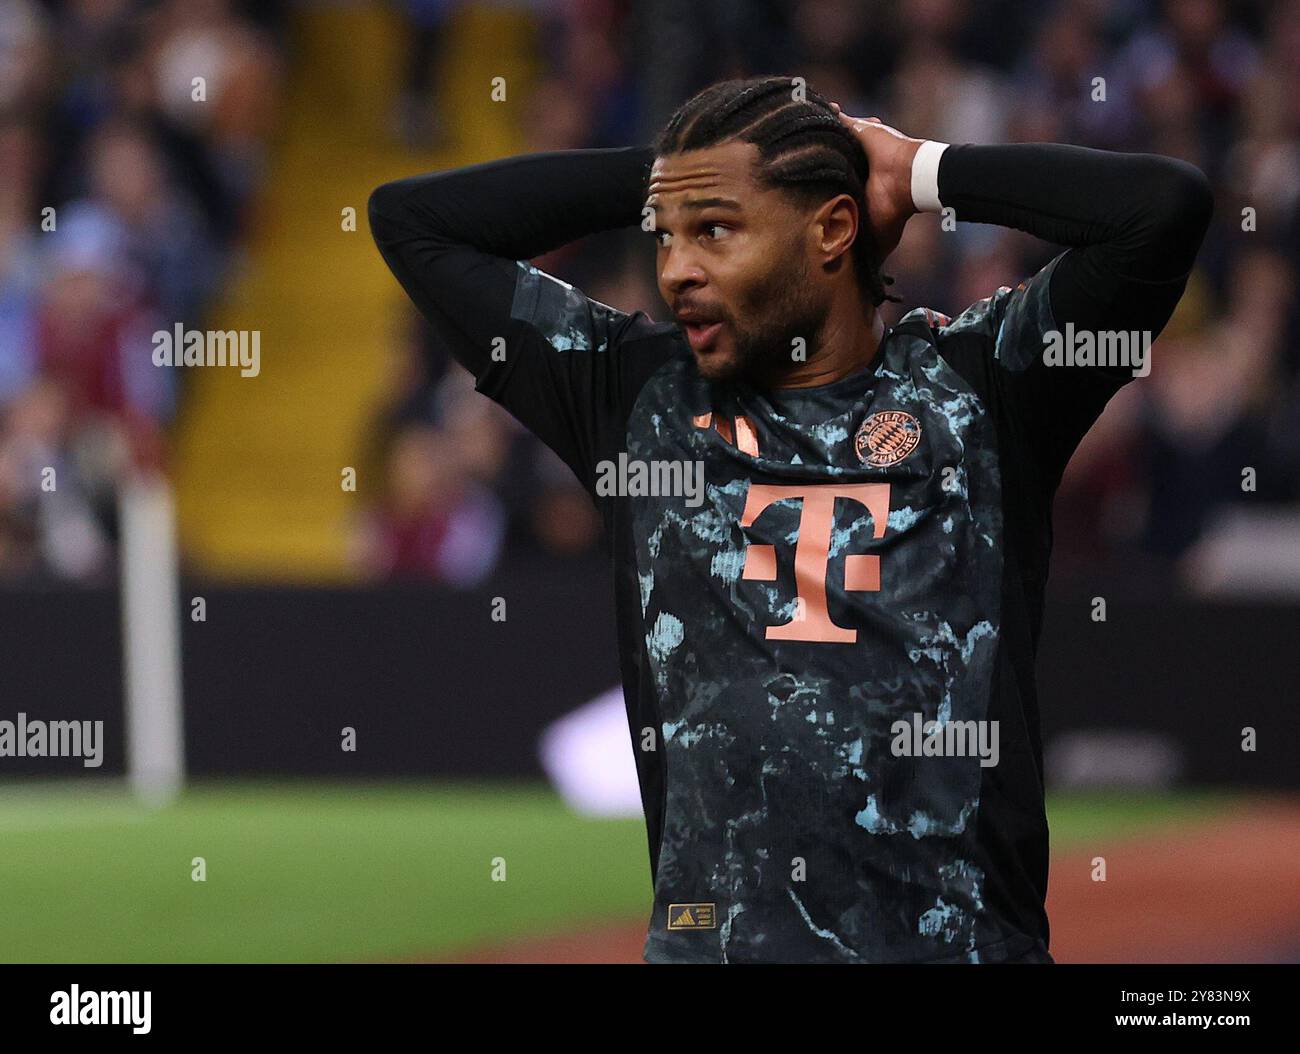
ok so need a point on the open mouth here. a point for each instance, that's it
(702, 335)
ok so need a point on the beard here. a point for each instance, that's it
(776, 311)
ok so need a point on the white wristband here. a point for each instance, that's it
(925, 176)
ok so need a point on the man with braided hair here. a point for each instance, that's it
(834, 650)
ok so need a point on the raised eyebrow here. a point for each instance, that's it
(712, 203)
(699, 204)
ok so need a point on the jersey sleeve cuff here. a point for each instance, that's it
(925, 176)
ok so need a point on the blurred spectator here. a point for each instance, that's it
(124, 182)
(93, 319)
(151, 172)
(437, 522)
(48, 523)
(19, 270)
(160, 231)
(565, 523)
(240, 74)
(419, 118)
(440, 519)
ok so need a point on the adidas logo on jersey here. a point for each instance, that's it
(691, 917)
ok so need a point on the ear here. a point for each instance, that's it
(836, 226)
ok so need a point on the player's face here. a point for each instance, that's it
(733, 264)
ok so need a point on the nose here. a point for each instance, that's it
(680, 269)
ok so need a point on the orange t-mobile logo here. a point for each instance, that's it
(812, 621)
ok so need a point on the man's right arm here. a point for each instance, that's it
(459, 241)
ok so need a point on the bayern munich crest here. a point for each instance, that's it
(886, 437)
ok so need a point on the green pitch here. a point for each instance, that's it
(312, 872)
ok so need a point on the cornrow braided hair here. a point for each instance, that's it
(804, 150)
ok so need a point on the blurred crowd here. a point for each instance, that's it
(98, 119)
(1212, 82)
(125, 185)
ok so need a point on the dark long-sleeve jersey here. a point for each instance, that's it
(869, 556)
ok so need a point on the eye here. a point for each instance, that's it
(706, 228)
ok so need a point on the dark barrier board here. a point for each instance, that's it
(434, 686)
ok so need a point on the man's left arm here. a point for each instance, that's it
(1133, 222)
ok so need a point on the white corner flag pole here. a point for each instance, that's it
(151, 627)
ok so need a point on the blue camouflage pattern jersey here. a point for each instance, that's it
(864, 557)
(821, 592)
